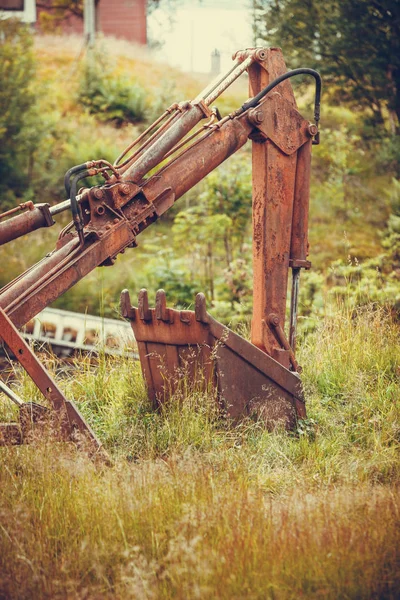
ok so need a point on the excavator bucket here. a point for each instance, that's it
(260, 377)
(174, 344)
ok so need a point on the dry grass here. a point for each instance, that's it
(194, 508)
(60, 59)
(182, 528)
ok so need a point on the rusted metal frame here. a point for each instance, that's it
(215, 92)
(299, 241)
(123, 167)
(59, 262)
(28, 280)
(272, 217)
(194, 112)
(250, 353)
(294, 304)
(162, 190)
(70, 416)
(22, 276)
(215, 83)
(222, 82)
(179, 176)
(274, 324)
(24, 206)
(162, 335)
(42, 216)
(273, 197)
(18, 346)
(135, 142)
(184, 171)
(26, 222)
(191, 137)
(116, 239)
(155, 152)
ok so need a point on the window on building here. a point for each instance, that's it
(12, 4)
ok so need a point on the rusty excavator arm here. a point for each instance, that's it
(152, 174)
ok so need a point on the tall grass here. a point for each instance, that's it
(195, 508)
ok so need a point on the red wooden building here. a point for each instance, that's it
(124, 19)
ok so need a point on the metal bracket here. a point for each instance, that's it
(296, 263)
(276, 328)
(71, 419)
(277, 120)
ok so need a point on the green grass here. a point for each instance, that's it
(195, 508)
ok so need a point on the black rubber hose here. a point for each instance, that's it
(318, 86)
(75, 208)
(68, 175)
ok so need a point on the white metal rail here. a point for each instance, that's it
(67, 331)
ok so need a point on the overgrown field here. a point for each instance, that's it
(191, 506)
(195, 508)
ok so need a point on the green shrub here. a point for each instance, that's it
(17, 100)
(109, 97)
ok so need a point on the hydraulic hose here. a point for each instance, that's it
(303, 71)
(69, 173)
(75, 208)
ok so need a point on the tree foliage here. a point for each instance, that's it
(17, 99)
(110, 97)
(355, 44)
(54, 12)
(218, 219)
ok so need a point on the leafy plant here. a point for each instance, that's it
(17, 101)
(108, 96)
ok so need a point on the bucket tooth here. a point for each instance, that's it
(162, 312)
(174, 345)
(143, 306)
(201, 308)
(127, 311)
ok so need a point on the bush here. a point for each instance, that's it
(17, 100)
(109, 97)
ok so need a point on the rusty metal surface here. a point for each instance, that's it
(24, 206)
(276, 328)
(70, 417)
(152, 156)
(170, 343)
(10, 434)
(31, 294)
(116, 218)
(183, 173)
(299, 241)
(26, 222)
(117, 212)
(278, 185)
(31, 278)
(109, 218)
(177, 345)
(218, 89)
(279, 122)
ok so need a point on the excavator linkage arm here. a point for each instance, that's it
(166, 161)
